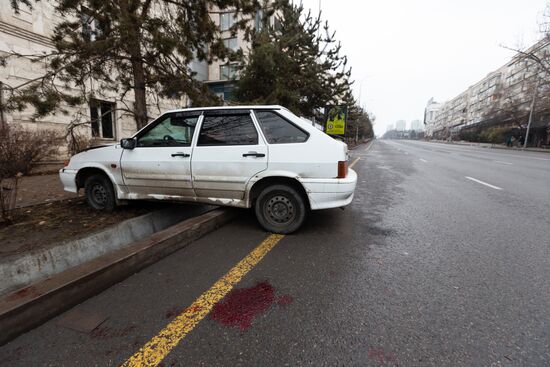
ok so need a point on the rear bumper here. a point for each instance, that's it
(330, 193)
(68, 179)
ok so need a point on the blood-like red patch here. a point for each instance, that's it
(240, 306)
(284, 300)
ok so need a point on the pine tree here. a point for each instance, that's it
(295, 63)
(142, 47)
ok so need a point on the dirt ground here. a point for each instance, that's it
(41, 225)
(41, 189)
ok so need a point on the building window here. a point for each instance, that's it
(91, 28)
(228, 72)
(102, 119)
(259, 21)
(231, 43)
(226, 21)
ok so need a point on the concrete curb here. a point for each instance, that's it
(491, 146)
(29, 307)
(19, 270)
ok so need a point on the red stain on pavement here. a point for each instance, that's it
(240, 306)
(23, 292)
(284, 300)
(195, 308)
(378, 354)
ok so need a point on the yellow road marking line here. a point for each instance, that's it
(355, 161)
(154, 351)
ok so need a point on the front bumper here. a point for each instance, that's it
(68, 178)
(331, 193)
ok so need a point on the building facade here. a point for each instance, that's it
(400, 125)
(28, 32)
(502, 97)
(416, 125)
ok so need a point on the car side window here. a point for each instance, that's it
(176, 130)
(228, 129)
(278, 130)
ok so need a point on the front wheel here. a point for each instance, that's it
(280, 209)
(99, 193)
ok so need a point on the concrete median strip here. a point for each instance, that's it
(29, 307)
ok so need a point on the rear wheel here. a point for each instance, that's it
(280, 209)
(99, 193)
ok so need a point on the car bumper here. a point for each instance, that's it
(331, 193)
(68, 178)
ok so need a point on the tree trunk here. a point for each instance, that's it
(140, 100)
(132, 37)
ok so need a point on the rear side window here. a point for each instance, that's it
(277, 130)
(230, 129)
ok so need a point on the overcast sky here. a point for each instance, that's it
(403, 52)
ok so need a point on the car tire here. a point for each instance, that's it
(280, 209)
(99, 193)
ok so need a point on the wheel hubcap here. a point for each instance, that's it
(280, 210)
(99, 194)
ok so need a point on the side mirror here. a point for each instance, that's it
(128, 143)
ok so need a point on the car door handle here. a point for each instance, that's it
(253, 154)
(181, 155)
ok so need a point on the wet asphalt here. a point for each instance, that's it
(425, 268)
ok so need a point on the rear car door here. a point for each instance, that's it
(160, 164)
(229, 151)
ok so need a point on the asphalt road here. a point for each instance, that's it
(428, 266)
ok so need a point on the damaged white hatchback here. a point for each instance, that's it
(261, 157)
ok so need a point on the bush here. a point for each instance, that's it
(494, 135)
(20, 149)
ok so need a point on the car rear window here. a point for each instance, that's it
(278, 130)
(228, 129)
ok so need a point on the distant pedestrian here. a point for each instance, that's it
(509, 140)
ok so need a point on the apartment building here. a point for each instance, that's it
(491, 100)
(28, 32)
(400, 125)
(220, 75)
(416, 125)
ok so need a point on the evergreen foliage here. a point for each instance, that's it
(295, 62)
(138, 47)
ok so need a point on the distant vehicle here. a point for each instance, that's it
(263, 157)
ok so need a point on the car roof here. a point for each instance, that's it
(248, 107)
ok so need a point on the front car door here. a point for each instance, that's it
(159, 167)
(229, 151)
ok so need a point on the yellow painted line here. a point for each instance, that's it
(154, 351)
(355, 161)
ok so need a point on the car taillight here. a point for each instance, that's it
(342, 169)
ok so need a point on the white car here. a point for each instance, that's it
(263, 157)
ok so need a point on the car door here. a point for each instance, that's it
(160, 164)
(229, 151)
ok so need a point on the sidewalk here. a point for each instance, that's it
(40, 189)
(490, 146)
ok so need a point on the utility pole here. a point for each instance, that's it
(531, 113)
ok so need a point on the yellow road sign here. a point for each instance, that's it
(336, 120)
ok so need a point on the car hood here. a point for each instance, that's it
(99, 154)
